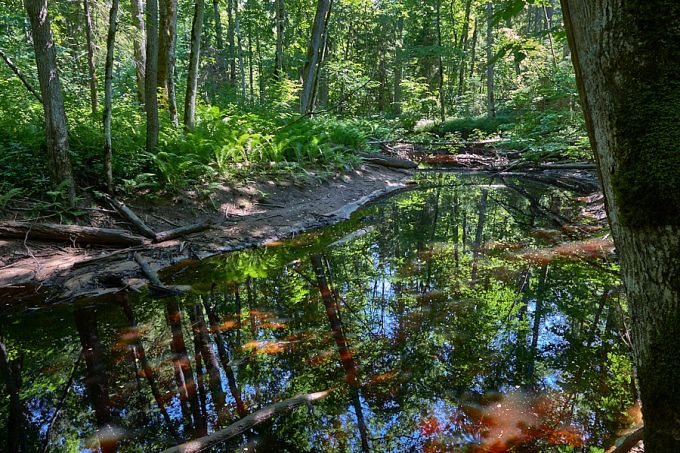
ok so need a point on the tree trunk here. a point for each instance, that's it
(442, 96)
(627, 61)
(139, 45)
(313, 55)
(464, 42)
(241, 66)
(194, 63)
(167, 42)
(232, 45)
(94, 103)
(151, 79)
(108, 94)
(53, 101)
(490, 101)
(219, 40)
(280, 27)
(398, 65)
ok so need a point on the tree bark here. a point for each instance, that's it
(94, 102)
(53, 100)
(108, 94)
(490, 100)
(313, 56)
(232, 46)
(151, 80)
(627, 61)
(464, 48)
(219, 40)
(194, 63)
(398, 65)
(167, 43)
(139, 45)
(442, 96)
(280, 28)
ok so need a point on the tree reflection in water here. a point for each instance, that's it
(458, 316)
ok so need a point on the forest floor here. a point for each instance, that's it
(241, 216)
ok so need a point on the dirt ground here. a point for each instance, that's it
(243, 216)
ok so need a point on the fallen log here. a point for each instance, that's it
(387, 161)
(131, 217)
(181, 231)
(245, 423)
(69, 233)
(466, 161)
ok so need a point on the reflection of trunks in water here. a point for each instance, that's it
(331, 304)
(96, 382)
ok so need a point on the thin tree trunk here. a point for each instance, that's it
(53, 101)
(194, 64)
(280, 29)
(490, 100)
(108, 94)
(94, 103)
(627, 61)
(313, 55)
(398, 65)
(219, 40)
(232, 45)
(442, 96)
(251, 77)
(473, 49)
(464, 41)
(241, 66)
(139, 45)
(150, 83)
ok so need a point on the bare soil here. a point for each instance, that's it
(243, 216)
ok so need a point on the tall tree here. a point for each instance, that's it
(314, 50)
(108, 94)
(490, 99)
(151, 76)
(627, 62)
(53, 100)
(194, 62)
(280, 26)
(167, 43)
(139, 46)
(94, 102)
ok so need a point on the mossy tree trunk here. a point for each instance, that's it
(627, 62)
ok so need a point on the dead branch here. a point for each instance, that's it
(181, 231)
(131, 217)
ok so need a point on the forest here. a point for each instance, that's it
(339, 225)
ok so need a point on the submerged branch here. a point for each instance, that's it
(246, 423)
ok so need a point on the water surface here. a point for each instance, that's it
(465, 314)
